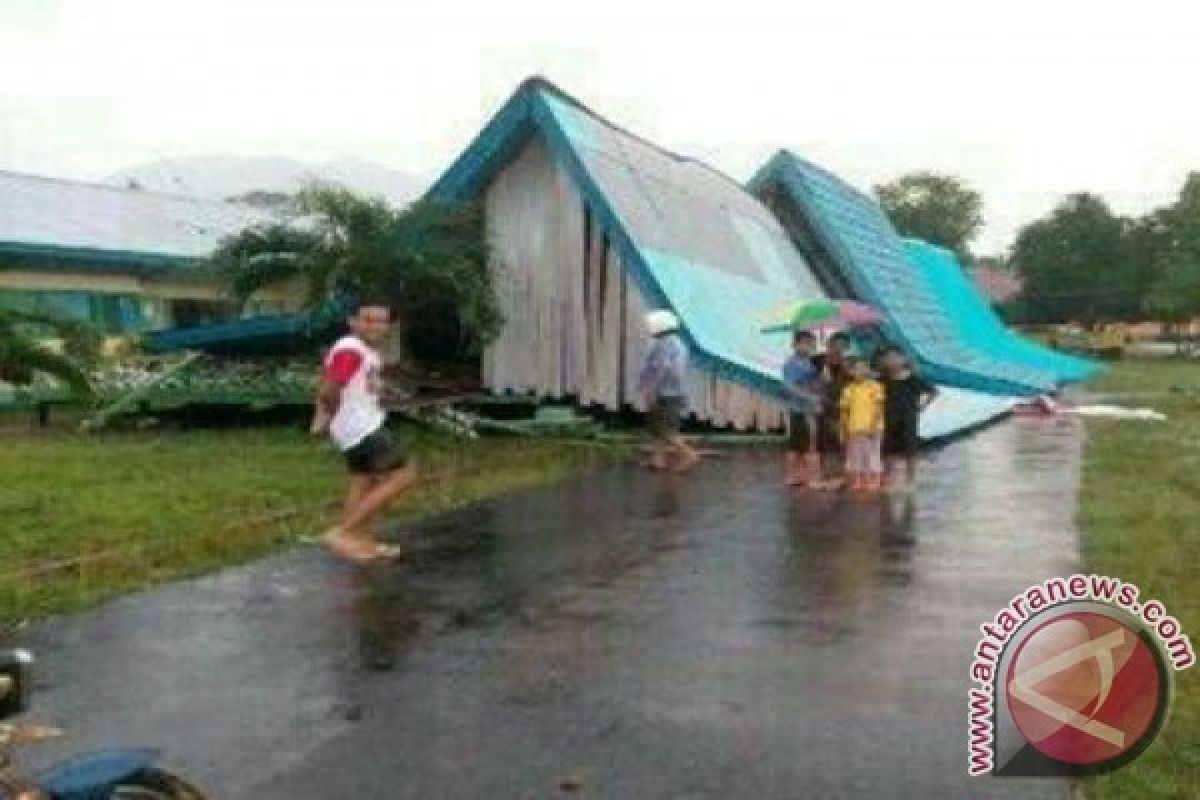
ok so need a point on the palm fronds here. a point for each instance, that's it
(23, 354)
(429, 261)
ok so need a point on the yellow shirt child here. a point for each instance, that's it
(862, 407)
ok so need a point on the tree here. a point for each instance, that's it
(1174, 295)
(1084, 263)
(1146, 246)
(1175, 298)
(429, 261)
(1071, 263)
(933, 207)
(1184, 221)
(24, 354)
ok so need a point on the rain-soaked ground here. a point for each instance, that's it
(620, 635)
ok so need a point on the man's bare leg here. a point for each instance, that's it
(792, 468)
(356, 489)
(891, 472)
(376, 500)
(832, 469)
(343, 539)
(658, 455)
(684, 452)
(371, 526)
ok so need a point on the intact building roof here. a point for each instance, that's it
(55, 222)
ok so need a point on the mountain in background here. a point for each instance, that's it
(223, 177)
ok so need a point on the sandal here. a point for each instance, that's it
(350, 550)
(389, 551)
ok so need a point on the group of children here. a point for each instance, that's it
(849, 419)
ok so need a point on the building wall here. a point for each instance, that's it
(156, 301)
(573, 312)
(106, 283)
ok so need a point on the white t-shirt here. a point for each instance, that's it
(355, 366)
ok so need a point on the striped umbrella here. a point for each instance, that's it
(823, 315)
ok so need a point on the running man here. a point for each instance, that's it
(348, 409)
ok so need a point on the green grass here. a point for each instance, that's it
(85, 517)
(1140, 519)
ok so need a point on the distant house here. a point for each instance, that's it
(123, 259)
(999, 284)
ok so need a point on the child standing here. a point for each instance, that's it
(832, 367)
(802, 379)
(906, 394)
(861, 409)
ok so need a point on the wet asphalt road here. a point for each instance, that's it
(620, 635)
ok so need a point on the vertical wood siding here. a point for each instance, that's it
(573, 312)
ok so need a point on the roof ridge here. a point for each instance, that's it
(825, 171)
(540, 82)
(29, 176)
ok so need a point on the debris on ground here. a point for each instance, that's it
(1049, 406)
(1118, 412)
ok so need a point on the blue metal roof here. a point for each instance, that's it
(693, 238)
(978, 325)
(252, 333)
(870, 254)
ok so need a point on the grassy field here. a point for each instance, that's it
(84, 517)
(1140, 519)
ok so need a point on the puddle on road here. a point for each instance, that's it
(831, 563)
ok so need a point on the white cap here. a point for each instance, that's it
(660, 321)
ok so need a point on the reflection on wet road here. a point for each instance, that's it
(620, 635)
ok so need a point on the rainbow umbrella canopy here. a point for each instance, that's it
(823, 315)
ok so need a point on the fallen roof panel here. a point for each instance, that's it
(868, 252)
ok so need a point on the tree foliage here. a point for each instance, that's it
(429, 261)
(1174, 294)
(24, 354)
(1071, 261)
(1084, 263)
(936, 208)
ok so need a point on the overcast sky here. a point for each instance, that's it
(1025, 100)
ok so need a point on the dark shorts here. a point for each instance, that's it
(800, 436)
(828, 441)
(900, 438)
(375, 454)
(664, 417)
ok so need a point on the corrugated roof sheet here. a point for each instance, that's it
(870, 254)
(978, 325)
(50, 216)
